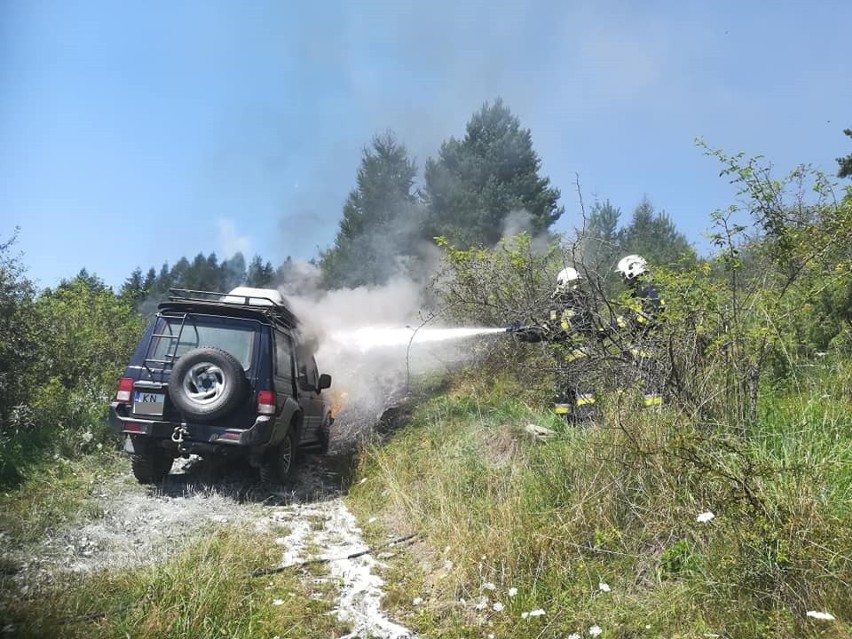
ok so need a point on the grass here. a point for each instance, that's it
(55, 493)
(206, 588)
(616, 504)
(595, 527)
(206, 591)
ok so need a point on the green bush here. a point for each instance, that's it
(85, 334)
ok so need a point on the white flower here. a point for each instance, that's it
(536, 613)
(604, 587)
(824, 616)
(87, 436)
(574, 635)
(462, 602)
(417, 601)
(595, 631)
(497, 606)
(482, 605)
(277, 602)
(703, 518)
(448, 564)
(513, 591)
(524, 615)
(488, 586)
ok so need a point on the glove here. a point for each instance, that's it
(514, 327)
(530, 334)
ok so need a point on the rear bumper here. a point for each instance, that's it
(196, 438)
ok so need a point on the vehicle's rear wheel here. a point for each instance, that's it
(150, 468)
(279, 463)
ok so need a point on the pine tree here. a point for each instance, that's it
(380, 226)
(600, 243)
(233, 271)
(260, 274)
(133, 290)
(178, 274)
(845, 163)
(654, 236)
(150, 280)
(477, 181)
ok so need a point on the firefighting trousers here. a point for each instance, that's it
(649, 373)
(573, 390)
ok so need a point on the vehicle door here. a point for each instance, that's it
(284, 368)
(310, 397)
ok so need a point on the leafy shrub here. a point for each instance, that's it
(66, 378)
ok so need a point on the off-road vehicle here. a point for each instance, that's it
(221, 374)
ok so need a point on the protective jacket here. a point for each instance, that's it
(643, 310)
(569, 320)
(568, 327)
(641, 320)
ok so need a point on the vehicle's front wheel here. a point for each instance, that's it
(150, 468)
(325, 435)
(279, 463)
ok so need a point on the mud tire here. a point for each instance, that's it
(149, 468)
(325, 436)
(279, 464)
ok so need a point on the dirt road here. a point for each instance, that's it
(138, 524)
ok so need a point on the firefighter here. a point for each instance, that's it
(640, 322)
(568, 329)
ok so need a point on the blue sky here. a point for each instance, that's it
(133, 134)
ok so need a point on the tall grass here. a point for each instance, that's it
(207, 590)
(599, 526)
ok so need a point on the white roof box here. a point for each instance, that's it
(254, 296)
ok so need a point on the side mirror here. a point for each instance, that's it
(324, 381)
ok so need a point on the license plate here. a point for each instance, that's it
(148, 403)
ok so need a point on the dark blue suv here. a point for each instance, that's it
(222, 374)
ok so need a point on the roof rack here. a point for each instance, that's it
(267, 305)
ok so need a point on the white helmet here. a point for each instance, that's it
(567, 279)
(632, 266)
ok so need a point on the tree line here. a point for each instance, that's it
(473, 193)
(478, 188)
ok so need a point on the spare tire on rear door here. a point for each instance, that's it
(207, 383)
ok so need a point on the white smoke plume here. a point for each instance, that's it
(374, 340)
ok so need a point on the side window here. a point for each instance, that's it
(308, 368)
(313, 375)
(283, 356)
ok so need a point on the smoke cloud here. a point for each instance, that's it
(372, 340)
(375, 340)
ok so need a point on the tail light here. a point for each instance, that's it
(125, 390)
(266, 402)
